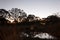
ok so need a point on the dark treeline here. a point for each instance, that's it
(12, 31)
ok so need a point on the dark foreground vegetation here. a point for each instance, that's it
(31, 26)
(12, 31)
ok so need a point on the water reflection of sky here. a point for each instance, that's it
(44, 36)
(39, 35)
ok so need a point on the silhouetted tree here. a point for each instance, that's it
(3, 21)
(16, 13)
(52, 19)
(52, 25)
(3, 12)
(30, 17)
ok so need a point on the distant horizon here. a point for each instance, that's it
(40, 8)
(56, 13)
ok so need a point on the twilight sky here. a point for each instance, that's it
(41, 8)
